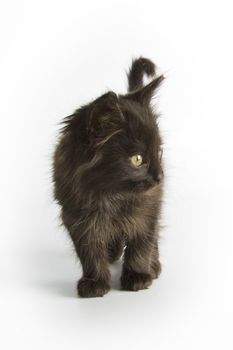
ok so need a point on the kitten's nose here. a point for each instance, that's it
(156, 175)
(159, 178)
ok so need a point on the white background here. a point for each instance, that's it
(56, 55)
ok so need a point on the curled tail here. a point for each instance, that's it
(139, 67)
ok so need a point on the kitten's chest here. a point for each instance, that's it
(128, 216)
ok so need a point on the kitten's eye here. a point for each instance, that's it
(136, 160)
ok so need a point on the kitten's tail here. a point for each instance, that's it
(139, 67)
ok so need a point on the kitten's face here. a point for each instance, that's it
(126, 151)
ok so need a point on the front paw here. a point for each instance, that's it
(89, 288)
(131, 280)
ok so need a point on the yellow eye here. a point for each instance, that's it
(136, 160)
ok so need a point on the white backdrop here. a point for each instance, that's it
(56, 55)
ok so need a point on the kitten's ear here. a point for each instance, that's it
(109, 99)
(105, 119)
(144, 95)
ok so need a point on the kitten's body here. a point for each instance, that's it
(107, 204)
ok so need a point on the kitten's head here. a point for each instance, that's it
(120, 143)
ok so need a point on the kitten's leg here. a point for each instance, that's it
(93, 256)
(136, 273)
(95, 281)
(115, 250)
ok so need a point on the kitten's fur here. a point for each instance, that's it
(107, 203)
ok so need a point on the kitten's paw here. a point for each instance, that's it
(155, 269)
(88, 288)
(131, 280)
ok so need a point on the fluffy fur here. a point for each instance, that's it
(109, 206)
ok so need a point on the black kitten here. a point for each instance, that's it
(108, 181)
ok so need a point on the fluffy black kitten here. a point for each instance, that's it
(108, 181)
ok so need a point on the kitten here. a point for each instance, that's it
(108, 180)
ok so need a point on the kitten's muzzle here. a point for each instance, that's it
(156, 178)
(149, 182)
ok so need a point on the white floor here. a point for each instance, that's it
(58, 55)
